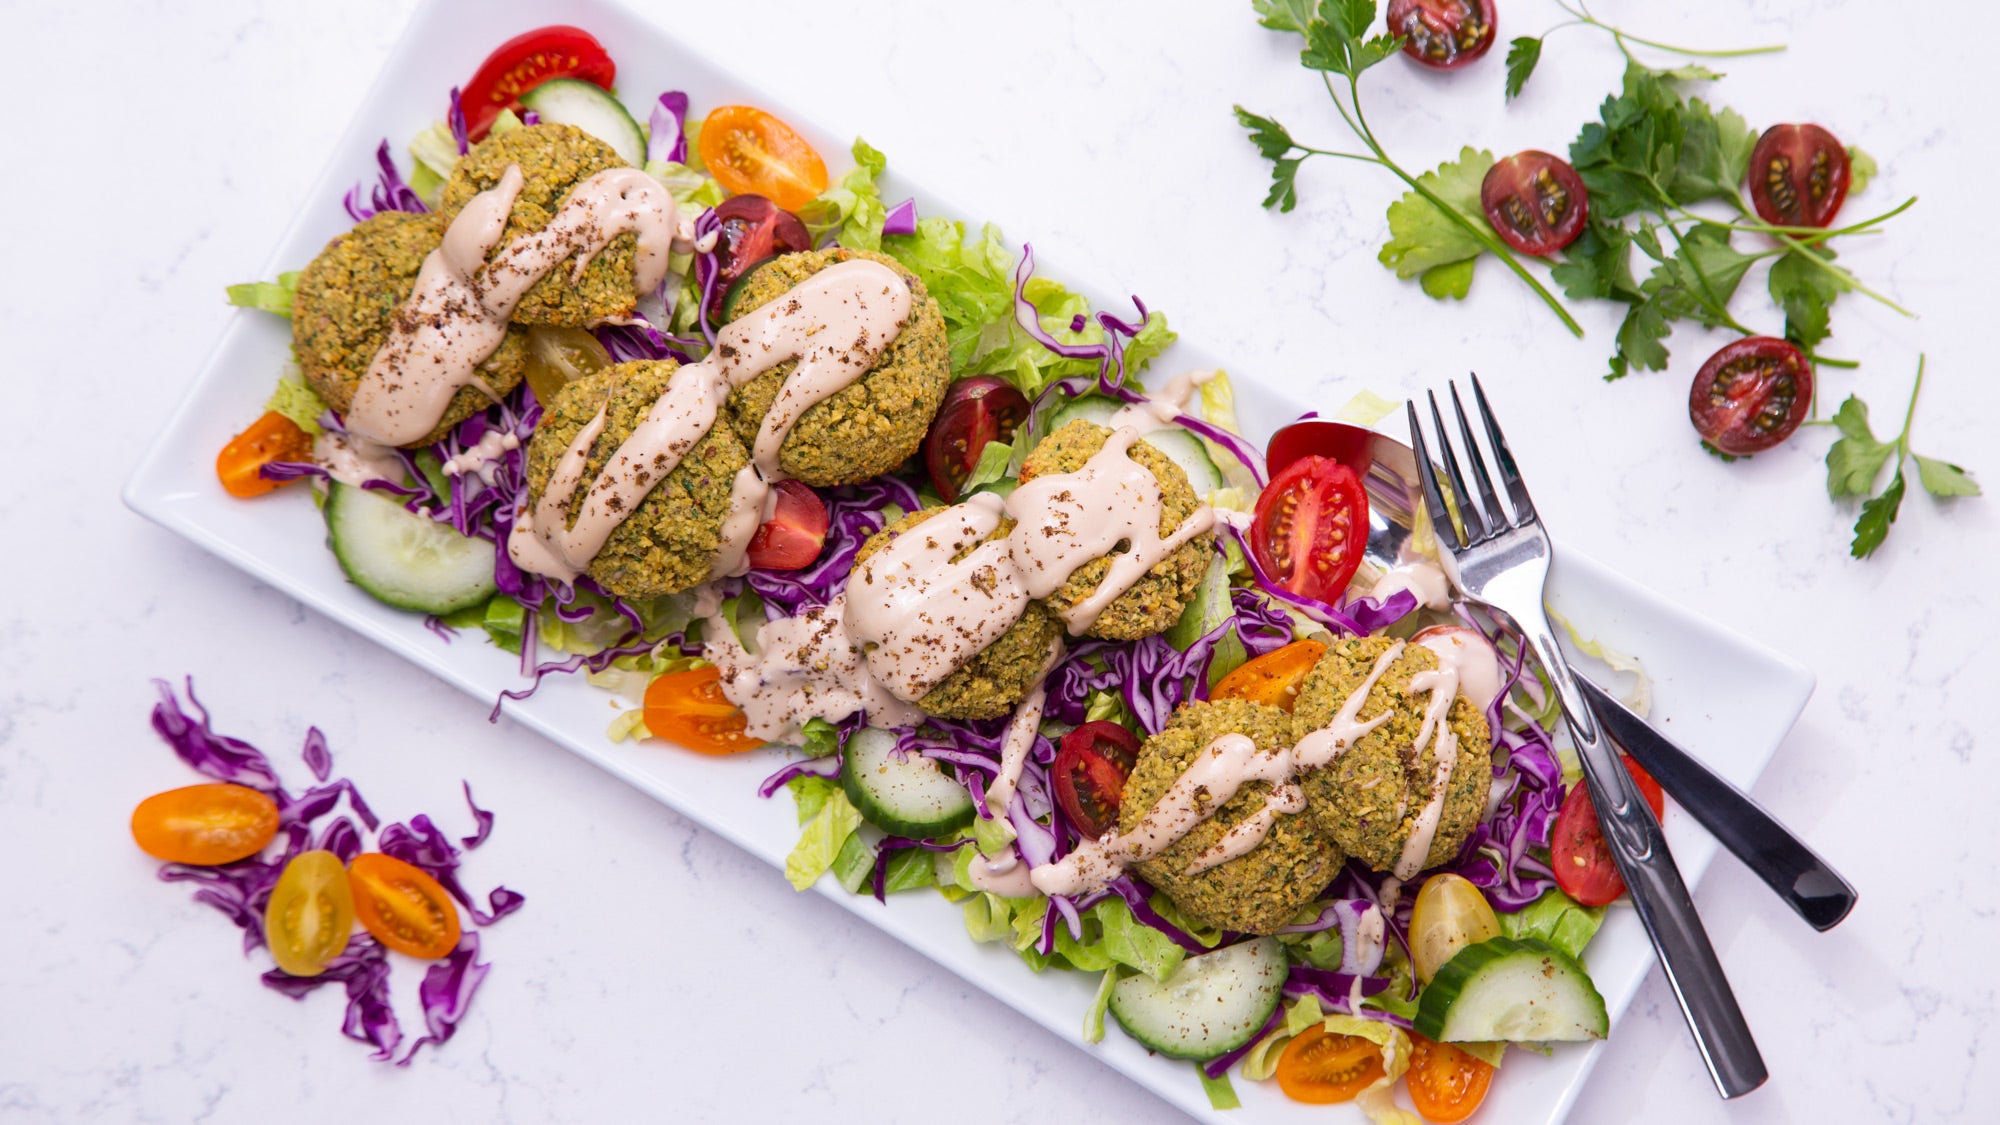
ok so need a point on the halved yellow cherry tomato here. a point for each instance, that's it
(559, 356)
(751, 152)
(1321, 1068)
(403, 906)
(1446, 1084)
(273, 437)
(1450, 914)
(311, 914)
(205, 825)
(689, 708)
(1274, 678)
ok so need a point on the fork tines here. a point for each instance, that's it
(1483, 515)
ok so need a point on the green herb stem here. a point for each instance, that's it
(1583, 16)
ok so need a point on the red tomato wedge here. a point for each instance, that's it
(1311, 527)
(1751, 395)
(791, 539)
(1798, 176)
(976, 411)
(750, 151)
(689, 708)
(273, 437)
(1342, 441)
(1582, 860)
(752, 229)
(1089, 774)
(525, 62)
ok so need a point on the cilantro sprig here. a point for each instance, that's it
(1524, 53)
(1443, 234)
(1855, 462)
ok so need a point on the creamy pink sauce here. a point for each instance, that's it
(1021, 731)
(457, 315)
(835, 324)
(483, 459)
(804, 666)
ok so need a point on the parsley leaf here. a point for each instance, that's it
(1860, 169)
(1876, 516)
(1856, 459)
(1806, 293)
(1334, 38)
(1274, 142)
(1422, 238)
(1283, 15)
(1714, 153)
(1942, 478)
(1522, 55)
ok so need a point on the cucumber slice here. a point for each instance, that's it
(403, 559)
(910, 797)
(1511, 990)
(1179, 446)
(593, 109)
(1212, 1004)
(732, 296)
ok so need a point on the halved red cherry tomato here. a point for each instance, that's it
(1342, 441)
(750, 151)
(310, 915)
(273, 437)
(792, 537)
(1798, 176)
(1536, 202)
(1751, 395)
(689, 708)
(1311, 527)
(1092, 764)
(1321, 1067)
(1582, 860)
(404, 907)
(1446, 1084)
(975, 411)
(525, 62)
(753, 229)
(1274, 678)
(1444, 34)
(205, 825)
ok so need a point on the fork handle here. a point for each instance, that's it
(1654, 881)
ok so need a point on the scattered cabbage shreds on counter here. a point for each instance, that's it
(306, 821)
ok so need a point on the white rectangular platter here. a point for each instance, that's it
(1727, 698)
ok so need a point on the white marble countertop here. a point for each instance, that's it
(659, 973)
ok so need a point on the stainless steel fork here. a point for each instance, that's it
(1501, 561)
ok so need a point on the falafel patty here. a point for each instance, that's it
(1001, 675)
(870, 426)
(346, 303)
(1369, 797)
(1256, 892)
(1156, 600)
(668, 543)
(553, 159)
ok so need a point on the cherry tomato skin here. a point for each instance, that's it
(1444, 34)
(976, 411)
(310, 915)
(689, 708)
(1798, 176)
(1584, 868)
(1311, 527)
(753, 229)
(1274, 678)
(791, 539)
(1445, 1083)
(1091, 766)
(205, 825)
(1320, 1067)
(560, 356)
(1751, 395)
(749, 151)
(1345, 443)
(1451, 913)
(402, 906)
(1535, 202)
(525, 62)
(272, 437)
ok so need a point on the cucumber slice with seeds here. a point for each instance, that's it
(593, 109)
(909, 796)
(402, 558)
(1211, 1005)
(1511, 990)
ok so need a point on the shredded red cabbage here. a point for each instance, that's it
(389, 194)
(902, 218)
(242, 890)
(668, 127)
(456, 117)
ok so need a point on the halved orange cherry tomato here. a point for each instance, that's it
(1446, 1084)
(1321, 1068)
(689, 708)
(750, 151)
(1272, 679)
(273, 437)
(402, 906)
(205, 825)
(310, 915)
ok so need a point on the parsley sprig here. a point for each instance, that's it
(1525, 52)
(1337, 43)
(1855, 462)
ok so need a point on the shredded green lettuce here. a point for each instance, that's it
(1557, 919)
(269, 296)
(1221, 1095)
(827, 819)
(1093, 1016)
(1218, 407)
(819, 738)
(854, 206)
(628, 725)
(994, 460)
(1365, 409)
(1640, 697)
(972, 279)
(296, 401)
